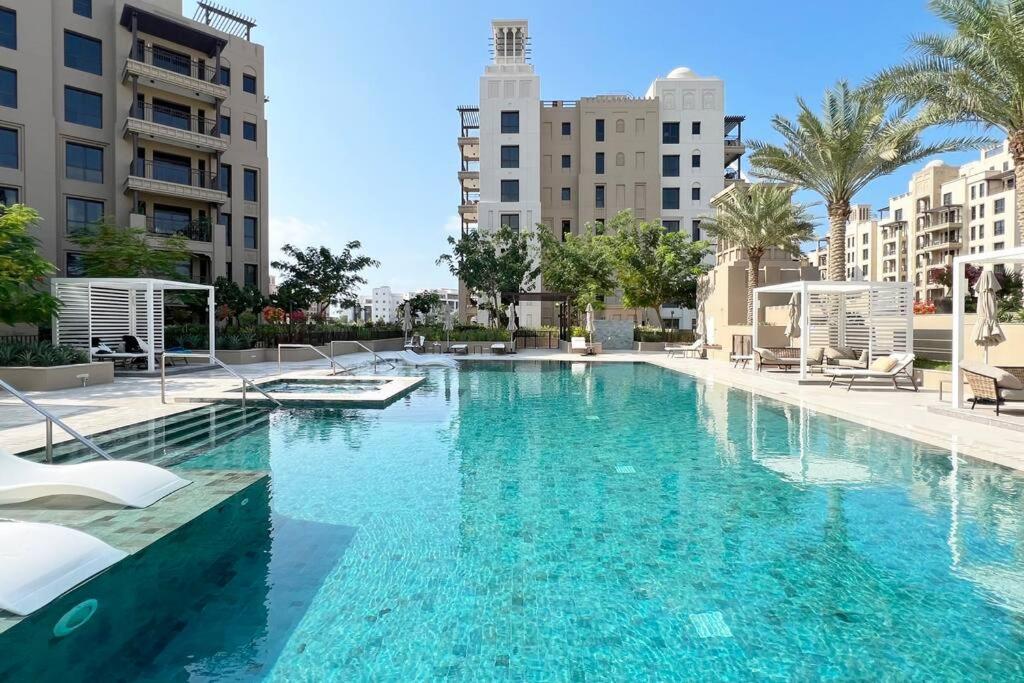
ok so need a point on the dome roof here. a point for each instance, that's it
(681, 72)
(935, 163)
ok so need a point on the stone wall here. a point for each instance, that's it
(614, 335)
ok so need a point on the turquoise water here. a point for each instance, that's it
(298, 386)
(535, 521)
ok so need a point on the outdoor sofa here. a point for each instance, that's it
(997, 384)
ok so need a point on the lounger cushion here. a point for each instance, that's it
(848, 363)
(1011, 394)
(883, 364)
(834, 353)
(815, 355)
(767, 356)
(1004, 380)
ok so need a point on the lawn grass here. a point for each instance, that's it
(929, 364)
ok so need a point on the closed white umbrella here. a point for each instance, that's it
(407, 320)
(700, 329)
(590, 322)
(512, 327)
(449, 325)
(987, 332)
(793, 328)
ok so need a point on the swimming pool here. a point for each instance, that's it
(567, 521)
(316, 386)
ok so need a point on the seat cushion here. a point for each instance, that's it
(815, 355)
(883, 364)
(1004, 380)
(850, 363)
(1011, 394)
(767, 356)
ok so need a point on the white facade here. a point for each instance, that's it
(509, 89)
(384, 305)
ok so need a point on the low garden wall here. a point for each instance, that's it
(300, 354)
(57, 376)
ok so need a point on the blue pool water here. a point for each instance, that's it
(567, 522)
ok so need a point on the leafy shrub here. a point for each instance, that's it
(650, 334)
(39, 355)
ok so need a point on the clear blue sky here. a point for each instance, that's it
(362, 118)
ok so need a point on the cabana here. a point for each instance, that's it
(873, 316)
(109, 308)
(990, 260)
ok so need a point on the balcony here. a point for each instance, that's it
(942, 243)
(194, 230)
(734, 149)
(176, 73)
(470, 181)
(174, 127)
(470, 148)
(174, 180)
(470, 211)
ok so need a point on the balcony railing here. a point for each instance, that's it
(166, 116)
(179, 64)
(174, 173)
(197, 230)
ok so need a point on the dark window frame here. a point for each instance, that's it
(695, 128)
(253, 243)
(670, 198)
(82, 8)
(599, 163)
(246, 80)
(599, 196)
(566, 127)
(670, 132)
(566, 194)
(83, 170)
(224, 178)
(225, 219)
(4, 190)
(598, 130)
(17, 147)
(510, 188)
(506, 220)
(12, 100)
(566, 161)
(510, 122)
(255, 279)
(10, 42)
(224, 125)
(671, 225)
(666, 165)
(247, 174)
(69, 56)
(695, 160)
(82, 224)
(510, 156)
(248, 126)
(695, 193)
(224, 76)
(68, 89)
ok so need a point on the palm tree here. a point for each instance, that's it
(758, 218)
(836, 154)
(974, 75)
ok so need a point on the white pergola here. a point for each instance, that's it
(990, 259)
(109, 308)
(877, 316)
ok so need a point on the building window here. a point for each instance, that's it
(670, 226)
(83, 162)
(599, 196)
(225, 220)
(997, 246)
(999, 206)
(74, 265)
(510, 190)
(8, 196)
(252, 275)
(695, 231)
(670, 133)
(566, 161)
(898, 215)
(566, 194)
(8, 88)
(669, 198)
(509, 122)
(250, 231)
(8, 148)
(249, 130)
(510, 156)
(224, 178)
(695, 193)
(981, 211)
(224, 76)
(225, 125)
(695, 128)
(670, 165)
(8, 28)
(566, 228)
(998, 228)
(510, 220)
(251, 181)
(599, 163)
(599, 130)
(981, 232)
(947, 199)
(83, 53)
(82, 213)
(83, 107)
(695, 160)
(566, 128)
(229, 270)
(249, 83)
(82, 8)
(864, 254)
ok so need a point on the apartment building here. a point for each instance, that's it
(570, 163)
(862, 244)
(131, 112)
(385, 304)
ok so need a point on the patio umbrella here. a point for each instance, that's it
(407, 320)
(700, 329)
(987, 332)
(793, 328)
(449, 325)
(590, 322)
(512, 325)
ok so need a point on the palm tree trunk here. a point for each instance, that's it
(838, 214)
(1016, 147)
(753, 279)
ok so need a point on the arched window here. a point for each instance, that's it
(620, 126)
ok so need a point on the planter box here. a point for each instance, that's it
(58, 376)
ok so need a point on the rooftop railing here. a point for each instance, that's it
(177, 63)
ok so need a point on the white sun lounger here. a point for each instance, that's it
(133, 484)
(40, 562)
(459, 348)
(498, 348)
(694, 350)
(904, 362)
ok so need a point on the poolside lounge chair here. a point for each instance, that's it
(892, 367)
(997, 384)
(98, 350)
(416, 343)
(579, 345)
(459, 349)
(786, 357)
(694, 350)
(123, 482)
(846, 357)
(499, 348)
(43, 561)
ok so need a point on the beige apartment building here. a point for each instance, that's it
(133, 113)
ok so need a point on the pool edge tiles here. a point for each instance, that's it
(392, 388)
(135, 529)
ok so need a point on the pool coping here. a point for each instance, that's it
(393, 387)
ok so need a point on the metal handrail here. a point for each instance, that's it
(52, 419)
(334, 364)
(363, 346)
(216, 361)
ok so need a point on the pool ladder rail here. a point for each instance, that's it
(246, 382)
(335, 365)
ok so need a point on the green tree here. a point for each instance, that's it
(579, 266)
(23, 270)
(836, 154)
(975, 74)
(111, 251)
(237, 300)
(492, 262)
(423, 303)
(654, 267)
(323, 277)
(758, 218)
